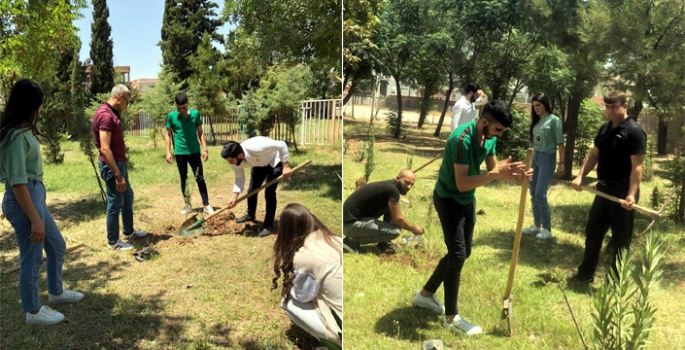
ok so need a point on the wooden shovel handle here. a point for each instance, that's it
(428, 163)
(255, 191)
(638, 208)
(519, 227)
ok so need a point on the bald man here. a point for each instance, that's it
(364, 206)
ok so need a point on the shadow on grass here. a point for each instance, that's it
(313, 177)
(78, 210)
(405, 323)
(301, 338)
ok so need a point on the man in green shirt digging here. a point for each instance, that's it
(185, 125)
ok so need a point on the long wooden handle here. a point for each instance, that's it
(519, 227)
(255, 191)
(428, 163)
(68, 250)
(638, 208)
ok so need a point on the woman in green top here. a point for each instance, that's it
(546, 136)
(21, 169)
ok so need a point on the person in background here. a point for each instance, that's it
(24, 206)
(546, 136)
(464, 110)
(185, 125)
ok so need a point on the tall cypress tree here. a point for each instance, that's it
(101, 47)
(184, 23)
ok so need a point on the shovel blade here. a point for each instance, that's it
(191, 226)
(507, 314)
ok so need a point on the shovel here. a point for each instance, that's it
(654, 214)
(507, 302)
(193, 225)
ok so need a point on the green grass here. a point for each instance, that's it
(378, 289)
(202, 292)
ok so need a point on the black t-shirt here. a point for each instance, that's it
(616, 145)
(371, 200)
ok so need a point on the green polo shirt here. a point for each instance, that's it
(20, 159)
(185, 131)
(547, 134)
(462, 148)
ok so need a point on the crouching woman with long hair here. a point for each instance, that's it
(309, 257)
(21, 170)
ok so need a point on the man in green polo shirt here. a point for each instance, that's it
(455, 202)
(185, 125)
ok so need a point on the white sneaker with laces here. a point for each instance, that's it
(135, 234)
(45, 317)
(187, 209)
(461, 325)
(532, 230)
(67, 296)
(209, 209)
(431, 303)
(120, 245)
(544, 234)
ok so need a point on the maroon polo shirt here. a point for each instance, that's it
(107, 119)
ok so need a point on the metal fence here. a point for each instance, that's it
(321, 124)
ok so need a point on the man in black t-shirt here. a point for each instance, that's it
(364, 206)
(618, 152)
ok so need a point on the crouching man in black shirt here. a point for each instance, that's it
(363, 208)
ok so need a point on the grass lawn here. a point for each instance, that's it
(204, 292)
(379, 289)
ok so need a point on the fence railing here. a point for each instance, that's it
(321, 124)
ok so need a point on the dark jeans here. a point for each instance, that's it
(605, 214)
(257, 177)
(457, 227)
(195, 162)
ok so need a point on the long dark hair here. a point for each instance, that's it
(542, 98)
(296, 223)
(21, 110)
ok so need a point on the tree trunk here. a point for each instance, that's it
(444, 107)
(350, 92)
(398, 125)
(425, 101)
(634, 111)
(574, 102)
(662, 136)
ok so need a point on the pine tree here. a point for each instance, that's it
(183, 26)
(101, 47)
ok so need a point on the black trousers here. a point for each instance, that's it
(457, 223)
(605, 214)
(195, 162)
(257, 177)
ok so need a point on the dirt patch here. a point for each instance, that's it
(226, 224)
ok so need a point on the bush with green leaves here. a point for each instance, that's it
(624, 310)
(370, 151)
(393, 119)
(516, 140)
(590, 118)
(254, 115)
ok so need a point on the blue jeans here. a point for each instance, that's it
(31, 253)
(117, 202)
(543, 170)
(458, 222)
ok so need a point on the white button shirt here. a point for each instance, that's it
(259, 151)
(462, 112)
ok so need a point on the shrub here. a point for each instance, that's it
(516, 140)
(590, 118)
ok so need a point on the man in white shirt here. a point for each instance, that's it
(464, 109)
(268, 159)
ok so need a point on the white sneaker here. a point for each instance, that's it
(532, 230)
(120, 245)
(45, 317)
(135, 234)
(67, 296)
(461, 325)
(544, 234)
(209, 210)
(431, 303)
(187, 209)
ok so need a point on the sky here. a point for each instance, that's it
(136, 30)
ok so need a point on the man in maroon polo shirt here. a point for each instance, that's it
(108, 132)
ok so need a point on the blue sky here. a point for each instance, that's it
(136, 30)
